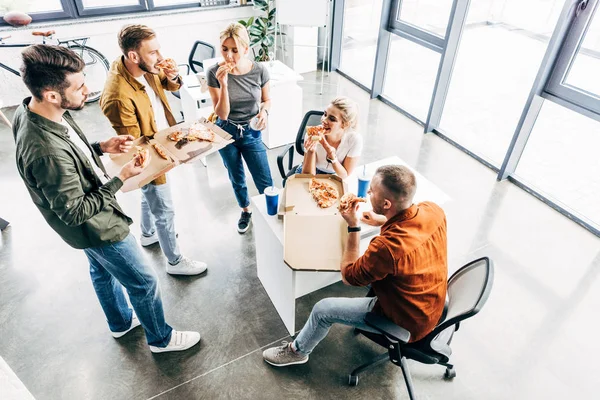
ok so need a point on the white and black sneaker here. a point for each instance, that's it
(244, 222)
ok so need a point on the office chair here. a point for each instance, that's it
(468, 290)
(200, 51)
(311, 118)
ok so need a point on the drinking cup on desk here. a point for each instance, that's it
(272, 196)
(363, 185)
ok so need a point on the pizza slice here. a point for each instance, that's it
(167, 63)
(229, 66)
(160, 150)
(200, 132)
(141, 156)
(315, 133)
(324, 193)
(175, 136)
(349, 201)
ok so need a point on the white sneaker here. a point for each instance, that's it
(179, 341)
(186, 267)
(146, 241)
(135, 322)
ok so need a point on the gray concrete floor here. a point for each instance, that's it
(531, 341)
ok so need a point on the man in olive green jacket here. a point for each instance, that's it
(69, 185)
(135, 103)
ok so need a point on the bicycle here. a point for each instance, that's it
(96, 65)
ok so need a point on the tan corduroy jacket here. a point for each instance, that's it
(127, 106)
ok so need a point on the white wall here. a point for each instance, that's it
(177, 31)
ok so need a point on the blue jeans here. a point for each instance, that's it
(341, 310)
(158, 217)
(253, 151)
(119, 265)
(317, 170)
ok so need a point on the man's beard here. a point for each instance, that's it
(144, 67)
(67, 105)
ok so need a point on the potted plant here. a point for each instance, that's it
(262, 29)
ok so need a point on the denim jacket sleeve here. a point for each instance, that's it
(57, 177)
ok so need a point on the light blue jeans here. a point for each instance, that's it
(341, 310)
(158, 216)
(119, 265)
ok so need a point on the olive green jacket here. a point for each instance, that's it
(63, 184)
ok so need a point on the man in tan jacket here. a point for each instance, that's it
(134, 101)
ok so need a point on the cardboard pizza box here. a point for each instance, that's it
(313, 237)
(181, 152)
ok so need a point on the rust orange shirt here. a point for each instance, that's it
(407, 267)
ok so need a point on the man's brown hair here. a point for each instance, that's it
(132, 36)
(46, 67)
(399, 181)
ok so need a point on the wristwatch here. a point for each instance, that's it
(354, 229)
(331, 160)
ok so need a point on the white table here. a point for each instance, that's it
(283, 284)
(285, 114)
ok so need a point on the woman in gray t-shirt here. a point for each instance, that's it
(239, 88)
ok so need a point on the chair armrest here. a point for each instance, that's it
(387, 327)
(289, 149)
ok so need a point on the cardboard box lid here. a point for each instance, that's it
(314, 242)
(313, 237)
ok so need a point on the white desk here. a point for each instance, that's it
(284, 285)
(286, 103)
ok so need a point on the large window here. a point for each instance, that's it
(361, 29)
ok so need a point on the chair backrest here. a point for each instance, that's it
(311, 118)
(200, 51)
(468, 290)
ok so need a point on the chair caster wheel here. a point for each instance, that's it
(450, 374)
(352, 380)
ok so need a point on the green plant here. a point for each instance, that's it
(262, 29)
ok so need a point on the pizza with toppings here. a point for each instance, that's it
(141, 156)
(349, 201)
(160, 150)
(229, 66)
(175, 136)
(324, 193)
(315, 133)
(200, 132)
(167, 63)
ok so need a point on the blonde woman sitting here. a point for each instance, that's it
(339, 147)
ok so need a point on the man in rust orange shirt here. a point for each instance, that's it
(406, 266)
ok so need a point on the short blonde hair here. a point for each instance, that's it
(349, 111)
(132, 36)
(237, 32)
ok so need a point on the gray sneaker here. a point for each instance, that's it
(283, 356)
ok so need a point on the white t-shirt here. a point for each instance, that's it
(350, 146)
(86, 150)
(157, 105)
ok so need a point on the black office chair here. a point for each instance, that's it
(468, 290)
(311, 118)
(200, 51)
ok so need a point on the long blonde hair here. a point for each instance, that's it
(238, 33)
(348, 109)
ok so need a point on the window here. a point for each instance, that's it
(429, 15)
(30, 6)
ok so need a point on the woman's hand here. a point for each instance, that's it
(329, 149)
(310, 146)
(261, 120)
(222, 75)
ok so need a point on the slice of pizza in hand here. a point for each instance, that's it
(141, 155)
(160, 150)
(200, 132)
(167, 63)
(324, 193)
(349, 201)
(315, 133)
(229, 66)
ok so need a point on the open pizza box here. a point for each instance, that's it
(180, 152)
(313, 237)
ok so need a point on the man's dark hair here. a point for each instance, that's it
(46, 67)
(399, 181)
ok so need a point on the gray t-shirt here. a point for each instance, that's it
(245, 91)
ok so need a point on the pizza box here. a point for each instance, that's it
(181, 152)
(313, 237)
